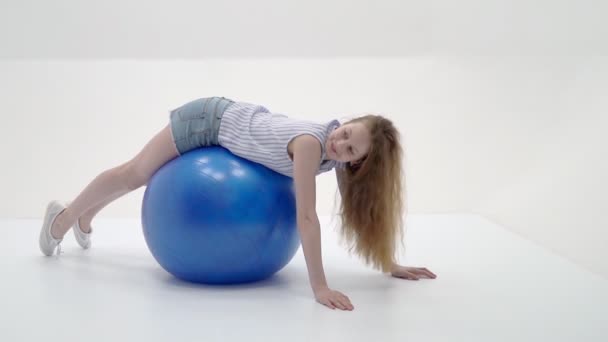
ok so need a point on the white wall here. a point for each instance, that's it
(502, 104)
(291, 28)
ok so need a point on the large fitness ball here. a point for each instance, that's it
(212, 217)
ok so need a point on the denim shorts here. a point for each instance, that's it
(197, 123)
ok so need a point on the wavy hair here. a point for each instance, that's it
(372, 209)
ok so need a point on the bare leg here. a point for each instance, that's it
(84, 221)
(118, 181)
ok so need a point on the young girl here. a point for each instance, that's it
(365, 152)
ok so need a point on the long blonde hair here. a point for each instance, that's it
(372, 209)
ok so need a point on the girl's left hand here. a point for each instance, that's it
(413, 273)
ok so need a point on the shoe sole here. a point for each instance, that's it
(46, 225)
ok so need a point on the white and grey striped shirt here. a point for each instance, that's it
(251, 131)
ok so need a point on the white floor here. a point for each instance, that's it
(491, 286)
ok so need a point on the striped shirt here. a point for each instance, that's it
(251, 131)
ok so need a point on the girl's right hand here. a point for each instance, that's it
(333, 299)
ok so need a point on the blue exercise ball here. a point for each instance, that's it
(212, 217)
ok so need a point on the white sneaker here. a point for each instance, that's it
(46, 240)
(83, 239)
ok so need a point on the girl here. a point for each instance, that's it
(365, 152)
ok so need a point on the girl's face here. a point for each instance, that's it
(348, 143)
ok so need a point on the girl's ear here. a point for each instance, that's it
(355, 165)
(357, 162)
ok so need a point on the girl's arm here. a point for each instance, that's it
(306, 160)
(339, 180)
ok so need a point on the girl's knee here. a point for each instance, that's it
(134, 176)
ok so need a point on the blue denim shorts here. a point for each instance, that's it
(197, 123)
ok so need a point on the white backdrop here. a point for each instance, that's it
(501, 106)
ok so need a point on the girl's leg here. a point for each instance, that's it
(84, 221)
(118, 181)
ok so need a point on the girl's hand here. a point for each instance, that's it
(413, 273)
(333, 299)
